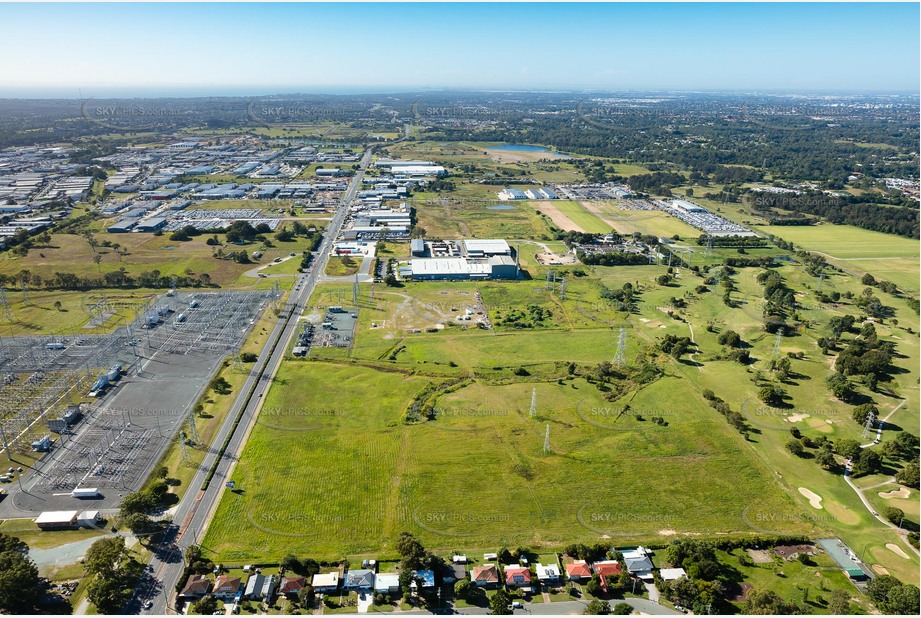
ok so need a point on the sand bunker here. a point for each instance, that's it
(795, 418)
(898, 551)
(901, 492)
(880, 569)
(815, 500)
(667, 532)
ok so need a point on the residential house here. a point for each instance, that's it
(452, 573)
(260, 588)
(549, 575)
(387, 583)
(291, 587)
(578, 571)
(639, 563)
(359, 579)
(607, 569)
(195, 587)
(672, 574)
(485, 576)
(326, 582)
(518, 577)
(226, 587)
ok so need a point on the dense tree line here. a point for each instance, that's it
(900, 218)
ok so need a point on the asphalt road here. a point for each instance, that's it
(194, 510)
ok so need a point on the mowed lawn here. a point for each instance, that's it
(353, 476)
(846, 241)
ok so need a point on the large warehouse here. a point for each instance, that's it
(448, 269)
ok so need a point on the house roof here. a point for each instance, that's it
(386, 581)
(607, 567)
(254, 583)
(292, 584)
(326, 580)
(487, 573)
(549, 571)
(579, 568)
(196, 584)
(361, 578)
(517, 575)
(225, 583)
(427, 576)
(670, 574)
(639, 565)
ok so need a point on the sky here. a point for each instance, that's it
(96, 50)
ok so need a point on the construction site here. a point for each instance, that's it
(90, 415)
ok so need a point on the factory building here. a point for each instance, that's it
(459, 269)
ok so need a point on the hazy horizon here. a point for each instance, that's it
(261, 49)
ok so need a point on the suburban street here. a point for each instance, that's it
(643, 606)
(196, 507)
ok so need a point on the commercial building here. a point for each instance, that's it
(457, 269)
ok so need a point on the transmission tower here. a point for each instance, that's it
(563, 288)
(620, 356)
(868, 426)
(821, 281)
(236, 365)
(533, 412)
(7, 312)
(547, 448)
(709, 246)
(25, 292)
(777, 343)
(193, 430)
(355, 290)
(550, 278)
(275, 291)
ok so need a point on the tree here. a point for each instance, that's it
(902, 601)
(766, 602)
(622, 609)
(863, 411)
(98, 260)
(108, 594)
(138, 523)
(21, 588)
(893, 514)
(501, 603)
(663, 279)
(796, 447)
(462, 589)
(840, 603)
(598, 608)
(867, 461)
(411, 550)
(594, 585)
(849, 449)
(418, 232)
(205, 606)
(291, 563)
(104, 556)
(771, 395)
(730, 338)
(220, 385)
(909, 475)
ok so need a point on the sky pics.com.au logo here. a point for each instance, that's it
(120, 116)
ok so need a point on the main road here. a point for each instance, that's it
(194, 510)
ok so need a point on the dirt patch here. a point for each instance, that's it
(880, 569)
(902, 492)
(667, 532)
(898, 551)
(815, 500)
(760, 556)
(554, 259)
(559, 219)
(515, 156)
(744, 587)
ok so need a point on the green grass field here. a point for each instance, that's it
(846, 242)
(486, 448)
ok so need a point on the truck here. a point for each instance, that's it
(84, 492)
(55, 345)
